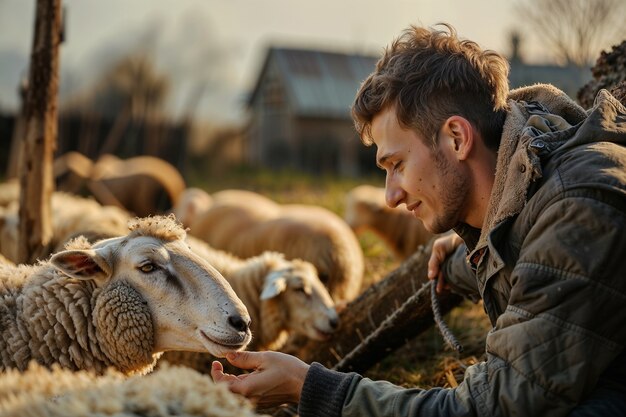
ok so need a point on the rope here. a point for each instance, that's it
(445, 331)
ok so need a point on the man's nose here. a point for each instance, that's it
(393, 194)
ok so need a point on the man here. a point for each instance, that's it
(536, 189)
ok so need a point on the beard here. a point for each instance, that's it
(453, 194)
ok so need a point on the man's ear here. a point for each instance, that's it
(82, 264)
(460, 135)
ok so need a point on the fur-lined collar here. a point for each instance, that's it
(535, 112)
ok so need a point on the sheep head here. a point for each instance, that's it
(364, 204)
(150, 279)
(304, 301)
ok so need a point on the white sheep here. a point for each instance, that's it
(166, 392)
(247, 224)
(191, 202)
(282, 296)
(366, 209)
(119, 303)
(71, 216)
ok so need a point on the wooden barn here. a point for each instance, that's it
(299, 112)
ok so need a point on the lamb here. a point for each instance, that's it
(366, 210)
(166, 392)
(71, 216)
(118, 303)
(247, 224)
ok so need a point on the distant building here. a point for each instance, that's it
(300, 112)
(299, 109)
(570, 79)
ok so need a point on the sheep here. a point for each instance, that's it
(282, 296)
(191, 202)
(71, 216)
(366, 209)
(285, 299)
(247, 224)
(166, 392)
(120, 302)
(71, 172)
(143, 185)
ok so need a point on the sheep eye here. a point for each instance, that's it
(303, 290)
(147, 268)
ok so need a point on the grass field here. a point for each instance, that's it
(424, 361)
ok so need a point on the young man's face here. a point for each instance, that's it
(430, 183)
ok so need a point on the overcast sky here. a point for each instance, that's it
(222, 42)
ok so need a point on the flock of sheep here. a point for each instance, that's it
(119, 295)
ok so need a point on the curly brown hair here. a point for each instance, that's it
(429, 75)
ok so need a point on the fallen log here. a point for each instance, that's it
(383, 318)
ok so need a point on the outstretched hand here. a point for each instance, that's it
(276, 378)
(442, 247)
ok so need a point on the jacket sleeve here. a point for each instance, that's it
(561, 330)
(328, 393)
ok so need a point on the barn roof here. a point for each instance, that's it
(323, 84)
(317, 83)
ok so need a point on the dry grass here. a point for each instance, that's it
(424, 361)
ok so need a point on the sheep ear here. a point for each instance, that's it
(274, 285)
(82, 264)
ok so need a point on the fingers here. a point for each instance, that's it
(277, 378)
(442, 247)
(437, 256)
(217, 368)
(218, 375)
(245, 360)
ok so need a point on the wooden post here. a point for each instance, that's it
(15, 153)
(39, 142)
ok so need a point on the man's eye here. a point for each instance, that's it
(396, 165)
(147, 268)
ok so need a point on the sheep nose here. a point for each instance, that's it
(334, 323)
(239, 323)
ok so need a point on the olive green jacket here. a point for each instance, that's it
(549, 264)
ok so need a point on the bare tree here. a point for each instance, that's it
(40, 132)
(575, 30)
